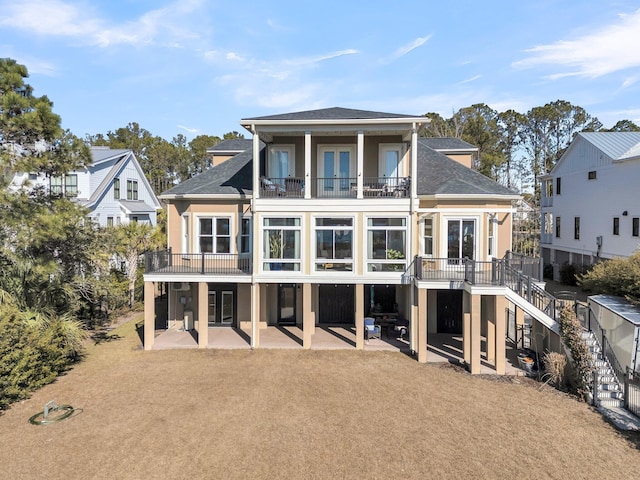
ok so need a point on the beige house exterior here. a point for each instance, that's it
(332, 216)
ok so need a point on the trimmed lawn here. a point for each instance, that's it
(302, 414)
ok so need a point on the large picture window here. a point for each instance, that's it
(214, 235)
(281, 244)
(334, 244)
(386, 244)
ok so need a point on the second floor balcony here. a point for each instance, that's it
(165, 261)
(335, 187)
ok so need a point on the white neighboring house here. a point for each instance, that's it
(590, 205)
(113, 188)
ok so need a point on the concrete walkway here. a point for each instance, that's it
(622, 419)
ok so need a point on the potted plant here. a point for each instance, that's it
(395, 255)
(275, 251)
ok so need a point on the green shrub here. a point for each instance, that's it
(34, 351)
(581, 361)
(618, 276)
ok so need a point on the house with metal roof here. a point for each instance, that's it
(590, 206)
(113, 188)
(337, 222)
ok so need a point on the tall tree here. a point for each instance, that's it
(200, 160)
(624, 126)
(480, 128)
(511, 124)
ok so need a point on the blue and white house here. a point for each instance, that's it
(113, 188)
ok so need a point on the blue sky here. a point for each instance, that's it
(199, 66)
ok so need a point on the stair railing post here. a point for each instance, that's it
(626, 387)
(594, 387)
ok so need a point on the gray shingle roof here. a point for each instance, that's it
(334, 113)
(232, 145)
(447, 143)
(233, 177)
(137, 206)
(438, 174)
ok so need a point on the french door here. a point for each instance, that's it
(461, 239)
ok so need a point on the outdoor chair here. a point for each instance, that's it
(402, 328)
(270, 189)
(371, 329)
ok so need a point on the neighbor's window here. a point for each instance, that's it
(558, 185)
(334, 244)
(109, 221)
(116, 188)
(386, 244)
(215, 235)
(635, 226)
(132, 190)
(616, 225)
(71, 185)
(592, 175)
(56, 186)
(576, 228)
(557, 227)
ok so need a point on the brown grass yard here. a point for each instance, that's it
(302, 414)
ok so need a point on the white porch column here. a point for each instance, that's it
(414, 162)
(256, 163)
(307, 164)
(360, 163)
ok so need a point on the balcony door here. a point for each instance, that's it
(461, 239)
(336, 171)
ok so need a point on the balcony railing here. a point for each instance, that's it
(200, 263)
(335, 187)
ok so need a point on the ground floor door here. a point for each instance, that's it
(336, 304)
(221, 303)
(450, 311)
(286, 304)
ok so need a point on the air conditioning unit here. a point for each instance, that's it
(180, 286)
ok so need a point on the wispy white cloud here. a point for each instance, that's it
(405, 49)
(607, 50)
(82, 23)
(469, 80)
(187, 129)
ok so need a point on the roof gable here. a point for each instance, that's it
(440, 175)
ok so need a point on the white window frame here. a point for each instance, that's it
(291, 164)
(336, 149)
(317, 261)
(135, 193)
(444, 241)
(242, 235)
(214, 234)
(423, 236)
(301, 250)
(492, 236)
(383, 148)
(376, 265)
(186, 233)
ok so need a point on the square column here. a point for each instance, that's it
(359, 316)
(149, 314)
(307, 164)
(203, 314)
(490, 311)
(308, 319)
(360, 164)
(255, 315)
(501, 334)
(421, 324)
(466, 328)
(475, 337)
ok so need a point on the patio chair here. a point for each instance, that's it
(371, 329)
(402, 328)
(270, 189)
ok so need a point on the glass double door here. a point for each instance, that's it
(221, 305)
(460, 239)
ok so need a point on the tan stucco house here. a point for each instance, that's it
(333, 215)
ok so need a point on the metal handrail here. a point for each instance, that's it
(204, 263)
